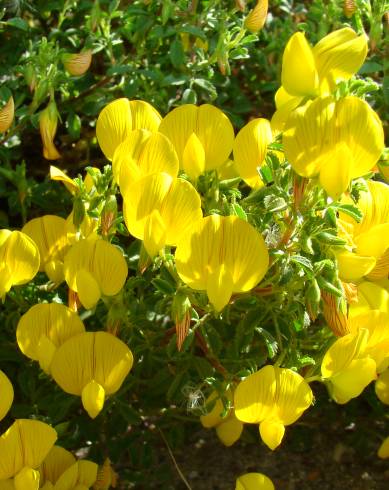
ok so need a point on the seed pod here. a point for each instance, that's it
(7, 115)
(257, 16)
(77, 64)
(349, 7)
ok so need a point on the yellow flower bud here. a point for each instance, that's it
(77, 64)
(257, 16)
(7, 115)
(48, 127)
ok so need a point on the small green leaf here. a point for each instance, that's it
(18, 23)
(176, 53)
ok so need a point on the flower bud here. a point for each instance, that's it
(349, 7)
(334, 316)
(77, 64)
(257, 17)
(180, 314)
(240, 5)
(30, 77)
(40, 94)
(7, 115)
(109, 215)
(48, 120)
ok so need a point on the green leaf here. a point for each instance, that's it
(176, 53)
(350, 210)
(189, 96)
(207, 86)
(239, 211)
(330, 239)
(330, 288)
(195, 31)
(73, 123)
(304, 261)
(18, 23)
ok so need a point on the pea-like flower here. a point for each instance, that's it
(23, 447)
(61, 471)
(94, 267)
(48, 121)
(228, 428)
(91, 365)
(6, 394)
(250, 147)
(337, 141)
(222, 255)
(370, 296)
(272, 397)
(49, 234)
(43, 328)
(254, 481)
(368, 241)
(141, 154)
(309, 72)
(202, 136)
(19, 260)
(119, 118)
(159, 210)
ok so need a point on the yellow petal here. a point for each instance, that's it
(55, 321)
(7, 395)
(285, 104)
(45, 350)
(7, 115)
(193, 157)
(299, 75)
(250, 149)
(254, 397)
(219, 287)
(49, 234)
(97, 356)
(21, 256)
(87, 473)
(214, 418)
(77, 64)
(335, 173)
(54, 271)
(216, 240)
(119, 118)
(353, 267)
(56, 462)
(382, 387)
(88, 289)
(93, 397)
(256, 18)
(143, 153)
(57, 174)
(374, 242)
(383, 451)
(272, 433)
(211, 126)
(376, 296)
(254, 481)
(343, 351)
(27, 479)
(154, 238)
(229, 430)
(351, 381)
(25, 444)
(338, 56)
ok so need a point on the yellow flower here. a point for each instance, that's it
(91, 365)
(254, 481)
(49, 234)
(272, 397)
(370, 296)
(335, 140)
(308, 72)
(43, 328)
(159, 210)
(56, 462)
(256, 18)
(94, 267)
(250, 147)
(222, 255)
(19, 260)
(368, 241)
(6, 395)
(202, 136)
(228, 428)
(119, 118)
(48, 121)
(7, 115)
(141, 154)
(347, 368)
(77, 64)
(23, 447)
